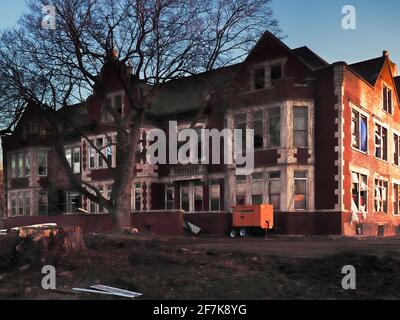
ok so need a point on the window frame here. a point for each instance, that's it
(306, 194)
(305, 130)
(387, 97)
(360, 176)
(360, 117)
(382, 183)
(45, 152)
(383, 147)
(270, 133)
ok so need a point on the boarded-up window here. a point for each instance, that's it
(300, 126)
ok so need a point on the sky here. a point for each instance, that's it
(316, 24)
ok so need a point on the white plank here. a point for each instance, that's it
(127, 293)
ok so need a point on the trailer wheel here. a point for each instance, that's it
(243, 232)
(233, 233)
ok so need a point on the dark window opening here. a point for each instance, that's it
(259, 79)
(276, 72)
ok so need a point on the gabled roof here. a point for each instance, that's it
(310, 58)
(369, 69)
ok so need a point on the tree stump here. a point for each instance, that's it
(46, 244)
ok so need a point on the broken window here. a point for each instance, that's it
(20, 165)
(258, 126)
(359, 132)
(257, 188)
(274, 127)
(43, 203)
(396, 149)
(276, 72)
(359, 192)
(99, 145)
(387, 100)
(13, 204)
(20, 197)
(381, 196)
(259, 79)
(73, 156)
(13, 165)
(241, 124)
(198, 197)
(274, 189)
(300, 126)
(241, 190)
(300, 190)
(380, 142)
(396, 198)
(73, 202)
(42, 163)
(169, 197)
(137, 194)
(27, 203)
(185, 197)
(215, 195)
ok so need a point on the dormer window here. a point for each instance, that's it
(387, 100)
(276, 72)
(259, 79)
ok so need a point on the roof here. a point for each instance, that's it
(397, 82)
(187, 93)
(369, 69)
(310, 58)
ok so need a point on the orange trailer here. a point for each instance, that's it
(251, 218)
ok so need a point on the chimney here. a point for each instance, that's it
(385, 53)
(129, 68)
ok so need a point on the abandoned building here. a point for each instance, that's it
(327, 150)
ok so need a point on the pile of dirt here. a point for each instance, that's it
(165, 269)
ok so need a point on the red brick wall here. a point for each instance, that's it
(369, 99)
(211, 223)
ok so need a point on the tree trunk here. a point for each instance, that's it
(123, 209)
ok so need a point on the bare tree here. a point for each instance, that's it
(159, 40)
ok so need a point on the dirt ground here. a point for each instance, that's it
(212, 268)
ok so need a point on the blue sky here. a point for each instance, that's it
(314, 23)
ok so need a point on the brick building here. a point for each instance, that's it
(327, 139)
